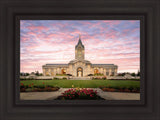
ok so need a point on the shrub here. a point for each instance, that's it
(117, 87)
(22, 90)
(104, 78)
(101, 87)
(130, 88)
(64, 78)
(22, 86)
(26, 86)
(61, 74)
(109, 86)
(120, 89)
(126, 90)
(123, 88)
(49, 86)
(96, 78)
(23, 78)
(41, 86)
(29, 86)
(69, 74)
(137, 88)
(99, 74)
(90, 74)
(80, 94)
(35, 86)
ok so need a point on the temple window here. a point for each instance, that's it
(107, 73)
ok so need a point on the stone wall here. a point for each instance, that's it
(87, 68)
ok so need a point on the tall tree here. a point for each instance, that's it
(37, 73)
(138, 73)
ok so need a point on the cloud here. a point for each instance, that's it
(106, 41)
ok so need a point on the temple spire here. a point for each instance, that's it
(79, 50)
(79, 42)
(79, 36)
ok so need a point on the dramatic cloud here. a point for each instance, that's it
(106, 41)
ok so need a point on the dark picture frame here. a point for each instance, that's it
(11, 108)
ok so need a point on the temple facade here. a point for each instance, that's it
(79, 67)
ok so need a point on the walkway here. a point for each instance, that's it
(53, 95)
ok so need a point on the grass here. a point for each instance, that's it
(61, 75)
(83, 83)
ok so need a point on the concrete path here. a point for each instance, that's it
(53, 95)
(41, 95)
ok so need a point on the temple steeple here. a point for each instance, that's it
(79, 49)
(79, 42)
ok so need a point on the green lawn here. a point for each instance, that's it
(84, 83)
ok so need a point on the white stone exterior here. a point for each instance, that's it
(79, 67)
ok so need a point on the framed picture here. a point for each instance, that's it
(65, 60)
(116, 42)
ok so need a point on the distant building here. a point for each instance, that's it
(79, 67)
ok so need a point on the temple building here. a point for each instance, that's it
(79, 67)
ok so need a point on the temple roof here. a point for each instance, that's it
(76, 60)
(55, 65)
(104, 65)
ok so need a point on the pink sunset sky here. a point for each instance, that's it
(106, 42)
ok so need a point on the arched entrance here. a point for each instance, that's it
(79, 72)
(96, 71)
(63, 71)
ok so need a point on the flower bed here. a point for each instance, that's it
(120, 89)
(79, 94)
(34, 88)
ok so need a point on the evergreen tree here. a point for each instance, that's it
(37, 73)
(133, 74)
(138, 73)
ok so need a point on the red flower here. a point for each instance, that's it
(73, 93)
(43, 83)
(21, 83)
(32, 84)
(91, 95)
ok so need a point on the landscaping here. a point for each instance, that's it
(61, 75)
(105, 85)
(98, 74)
(120, 89)
(37, 88)
(79, 94)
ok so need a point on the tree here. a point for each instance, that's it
(121, 74)
(37, 73)
(40, 74)
(133, 74)
(21, 74)
(138, 73)
(26, 74)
